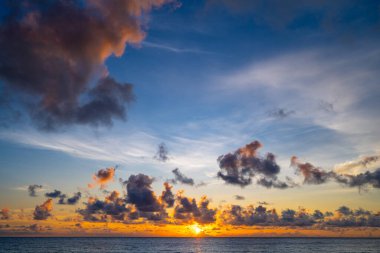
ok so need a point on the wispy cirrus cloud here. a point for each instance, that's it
(173, 49)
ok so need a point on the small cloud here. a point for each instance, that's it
(162, 153)
(326, 106)
(32, 189)
(103, 177)
(239, 197)
(180, 177)
(281, 113)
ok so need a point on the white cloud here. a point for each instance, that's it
(349, 81)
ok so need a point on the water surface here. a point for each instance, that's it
(147, 245)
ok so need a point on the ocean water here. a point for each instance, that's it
(147, 245)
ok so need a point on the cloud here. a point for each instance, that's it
(103, 177)
(240, 167)
(314, 175)
(162, 153)
(63, 199)
(180, 177)
(42, 212)
(140, 202)
(37, 228)
(188, 210)
(358, 165)
(140, 193)
(70, 200)
(276, 183)
(361, 180)
(54, 194)
(52, 66)
(311, 174)
(281, 113)
(261, 216)
(4, 214)
(32, 189)
(167, 195)
(173, 49)
(238, 215)
(331, 74)
(326, 106)
(113, 207)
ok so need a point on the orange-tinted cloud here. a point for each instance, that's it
(103, 177)
(42, 212)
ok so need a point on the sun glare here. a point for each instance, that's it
(196, 229)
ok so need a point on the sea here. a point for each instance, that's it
(147, 245)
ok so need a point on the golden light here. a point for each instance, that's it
(196, 229)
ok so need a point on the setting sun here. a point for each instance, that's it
(196, 229)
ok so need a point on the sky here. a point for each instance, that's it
(189, 118)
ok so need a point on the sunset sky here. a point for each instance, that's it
(190, 118)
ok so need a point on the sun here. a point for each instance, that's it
(196, 229)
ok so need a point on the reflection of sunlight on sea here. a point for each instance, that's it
(198, 245)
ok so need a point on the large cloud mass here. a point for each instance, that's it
(240, 167)
(53, 52)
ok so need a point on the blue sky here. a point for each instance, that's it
(212, 76)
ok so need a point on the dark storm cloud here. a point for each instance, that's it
(113, 207)
(238, 215)
(315, 175)
(74, 199)
(50, 65)
(32, 189)
(347, 217)
(360, 180)
(281, 113)
(140, 202)
(187, 209)
(240, 167)
(64, 200)
(162, 153)
(181, 178)
(42, 212)
(344, 210)
(261, 216)
(140, 193)
(167, 195)
(54, 194)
